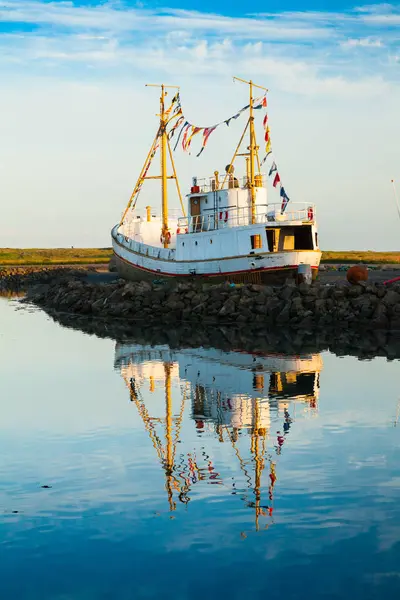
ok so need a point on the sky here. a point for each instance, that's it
(76, 119)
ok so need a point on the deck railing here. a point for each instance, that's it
(209, 184)
(227, 217)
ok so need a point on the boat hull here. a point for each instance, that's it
(265, 275)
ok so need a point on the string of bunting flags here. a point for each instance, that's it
(274, 168)
(186, 131)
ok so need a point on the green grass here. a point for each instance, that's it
(354, 257)
(93, 256)
(54, 256)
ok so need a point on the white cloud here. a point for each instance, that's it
(363, 42)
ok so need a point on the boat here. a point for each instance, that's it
(229, 231)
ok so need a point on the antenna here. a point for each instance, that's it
(396, 198)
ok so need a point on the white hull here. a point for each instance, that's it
(137, 260)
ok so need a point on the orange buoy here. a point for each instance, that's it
(356, 274)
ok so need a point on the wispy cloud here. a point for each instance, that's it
(363, 43)
(293, 47)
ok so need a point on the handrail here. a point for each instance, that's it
(228, 217)
(210, 184)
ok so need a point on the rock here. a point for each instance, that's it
(296, 306)
(379, 317)
(355, 291)
(306, 323)
(284, 315)
(227, 309)
(304, 288)
(390, 298)
(287, 292)
(320, 306)
(274, 307)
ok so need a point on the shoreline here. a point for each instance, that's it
(360, 320)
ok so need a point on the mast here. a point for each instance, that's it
(161, 140)
(165, 236)
(252, 147)
(164, 188)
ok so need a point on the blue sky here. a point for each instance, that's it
(76, 118)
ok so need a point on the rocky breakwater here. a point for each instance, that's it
(307, 307)
(14, 280)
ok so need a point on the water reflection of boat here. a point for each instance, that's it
(235, 396)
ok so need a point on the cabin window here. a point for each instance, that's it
(195, 243)
(316, 239)
(211, 241)
(303, 238)
(256, 241)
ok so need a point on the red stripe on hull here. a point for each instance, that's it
(211, 275)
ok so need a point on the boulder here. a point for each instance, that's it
(228, 308)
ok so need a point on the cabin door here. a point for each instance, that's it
(195, 213)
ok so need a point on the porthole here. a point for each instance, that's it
(195, 243)
(210, 241)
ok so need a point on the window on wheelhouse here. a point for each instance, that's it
(256, 241)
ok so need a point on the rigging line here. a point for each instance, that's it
(146, 421)
(236, 151)
(179, 423)
(176, 178)
(140, 179)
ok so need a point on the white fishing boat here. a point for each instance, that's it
(230, 231)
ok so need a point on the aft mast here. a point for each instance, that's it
(252, 148)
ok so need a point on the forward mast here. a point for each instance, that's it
(161, 139)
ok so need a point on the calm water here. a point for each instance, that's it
(193, 473)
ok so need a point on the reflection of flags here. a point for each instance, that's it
(277, 180)
(272, 169)
(285, 199)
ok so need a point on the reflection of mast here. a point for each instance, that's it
(166, 453)
(259, 460)
(168, 435)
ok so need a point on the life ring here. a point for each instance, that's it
(181, 230)
(223, 217)
(310, 213)
(165, 238)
